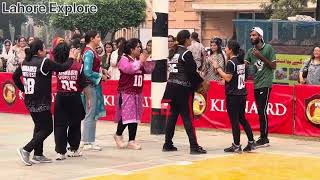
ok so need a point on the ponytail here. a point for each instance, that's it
(35, 46)
(120, 43)
(241, 55)
(182, 37)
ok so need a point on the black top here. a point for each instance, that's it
(236, 86)
(183, 69)
(36, 84)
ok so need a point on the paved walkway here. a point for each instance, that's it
(16, 130)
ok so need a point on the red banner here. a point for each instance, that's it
(210, 110)
(280, 109)
(307, 119)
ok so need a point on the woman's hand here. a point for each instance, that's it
(143, 57)
(74, 53)
(215, 63)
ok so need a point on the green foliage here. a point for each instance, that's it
(112, 15)
(282, 9)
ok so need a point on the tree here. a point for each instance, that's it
(282, 9)
(16, 21)
(112, 15)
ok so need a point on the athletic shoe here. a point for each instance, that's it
(74, 153)
(91, 147)
(168, 148)
(24, 156)
(233, 149)
(119, 141)
(250, 147)
(197, 150)
(60, 157)
(134, 145)
(262, 142)
(41, 159)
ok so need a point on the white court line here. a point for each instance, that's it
(204, 157)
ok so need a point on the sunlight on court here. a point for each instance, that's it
(237, 167)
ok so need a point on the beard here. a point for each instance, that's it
(255, 42)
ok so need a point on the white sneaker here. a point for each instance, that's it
(91, 147)
(76, 153)
(60, 157)
(134, 145)
(81, 144)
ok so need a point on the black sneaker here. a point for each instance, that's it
(262, 142)
(168, 148)
(198, 150)
(250, 147)
(233, 149)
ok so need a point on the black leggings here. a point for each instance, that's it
(236, 110)
(181, 103)
(68, 114)
(132, 128)
(42, 129)
(262, 98)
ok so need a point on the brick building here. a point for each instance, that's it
(209, 18)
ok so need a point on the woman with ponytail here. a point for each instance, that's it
(36, 71)
(68, 107)
(236, 95)
(93, 92)
(181, 85)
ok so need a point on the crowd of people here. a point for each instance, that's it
(84, 62)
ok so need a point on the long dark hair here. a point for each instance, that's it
(235, 47)
(35, 46)
(130, 44)
(120, 43)
(218, 42)
(182, 37)
(89, 35)
(108, 43)
(61, 52)
(312, 53)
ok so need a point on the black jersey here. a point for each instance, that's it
(183, 69)
(236, 86)
(36, 85)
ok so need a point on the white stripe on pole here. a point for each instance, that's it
(161, 6)
(161, 44)
(157, 93)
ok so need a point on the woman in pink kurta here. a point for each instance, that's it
(133, 65)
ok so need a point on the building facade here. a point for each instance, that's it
(210, 18)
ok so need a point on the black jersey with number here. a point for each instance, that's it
(183, 69)
(36, 75)
(236, 86)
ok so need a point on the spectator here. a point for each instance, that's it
(215, 54)
(19, 49)
(171, 41)
(149, 51)
(100, 51)
(310, 72)
(114, 60)
(197, 50)
(108, 49)
(7, 55)
(149, 47)
(30, 40)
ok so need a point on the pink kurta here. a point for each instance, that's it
(129, 99)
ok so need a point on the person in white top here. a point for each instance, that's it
(7, 55)
(113, 70)
(197, 49)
